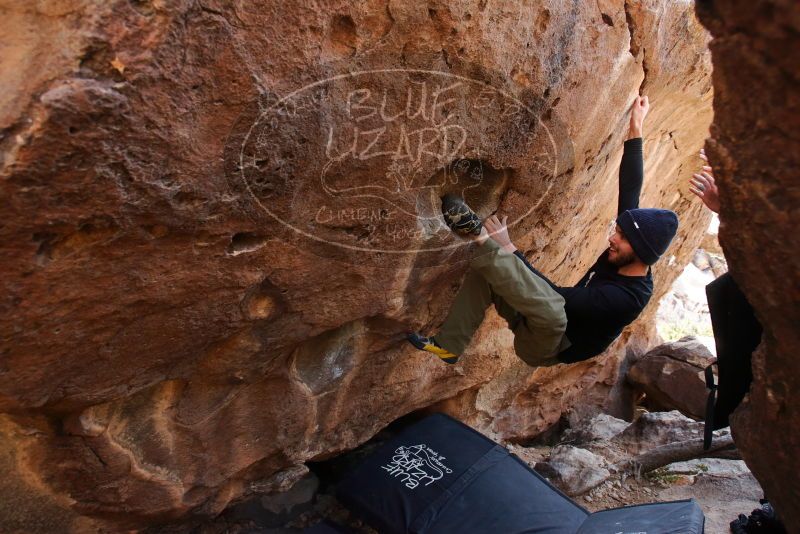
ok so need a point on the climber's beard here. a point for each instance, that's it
(619, 258)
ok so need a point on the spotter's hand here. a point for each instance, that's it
(702, 184)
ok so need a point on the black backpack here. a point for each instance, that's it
(737, 333)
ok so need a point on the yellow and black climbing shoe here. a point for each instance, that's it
(429, 344)
(459, 217)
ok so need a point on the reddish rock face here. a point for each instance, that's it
(220, 221)
(755, 154)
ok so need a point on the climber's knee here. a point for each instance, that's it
(538, 345)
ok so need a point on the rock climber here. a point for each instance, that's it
(554, 324)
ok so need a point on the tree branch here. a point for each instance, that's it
(673, 452)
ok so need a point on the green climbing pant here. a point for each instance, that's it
(533, 309)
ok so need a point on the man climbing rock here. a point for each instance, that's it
(554, 324)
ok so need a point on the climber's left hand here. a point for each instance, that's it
(498, 230)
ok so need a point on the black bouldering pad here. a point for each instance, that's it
(440, 475)
(678, 517)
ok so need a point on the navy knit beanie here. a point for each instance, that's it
(649, 231)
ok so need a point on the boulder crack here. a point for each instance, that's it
(636, 42)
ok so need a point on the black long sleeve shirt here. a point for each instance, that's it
(604, 302)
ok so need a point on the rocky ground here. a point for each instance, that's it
(723, 489)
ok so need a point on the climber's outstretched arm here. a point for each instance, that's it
(631, 176)
(631, 169)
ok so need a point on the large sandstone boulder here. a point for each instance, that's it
(755, 152)
(214, 233)
(672, 376)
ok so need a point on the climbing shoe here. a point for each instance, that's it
(459, 217)
(429, 344)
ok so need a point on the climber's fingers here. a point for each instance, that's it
(700, 181)
(494, 225)
(700, 185)
(697, 186)
(705, 181)
(697, 192)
